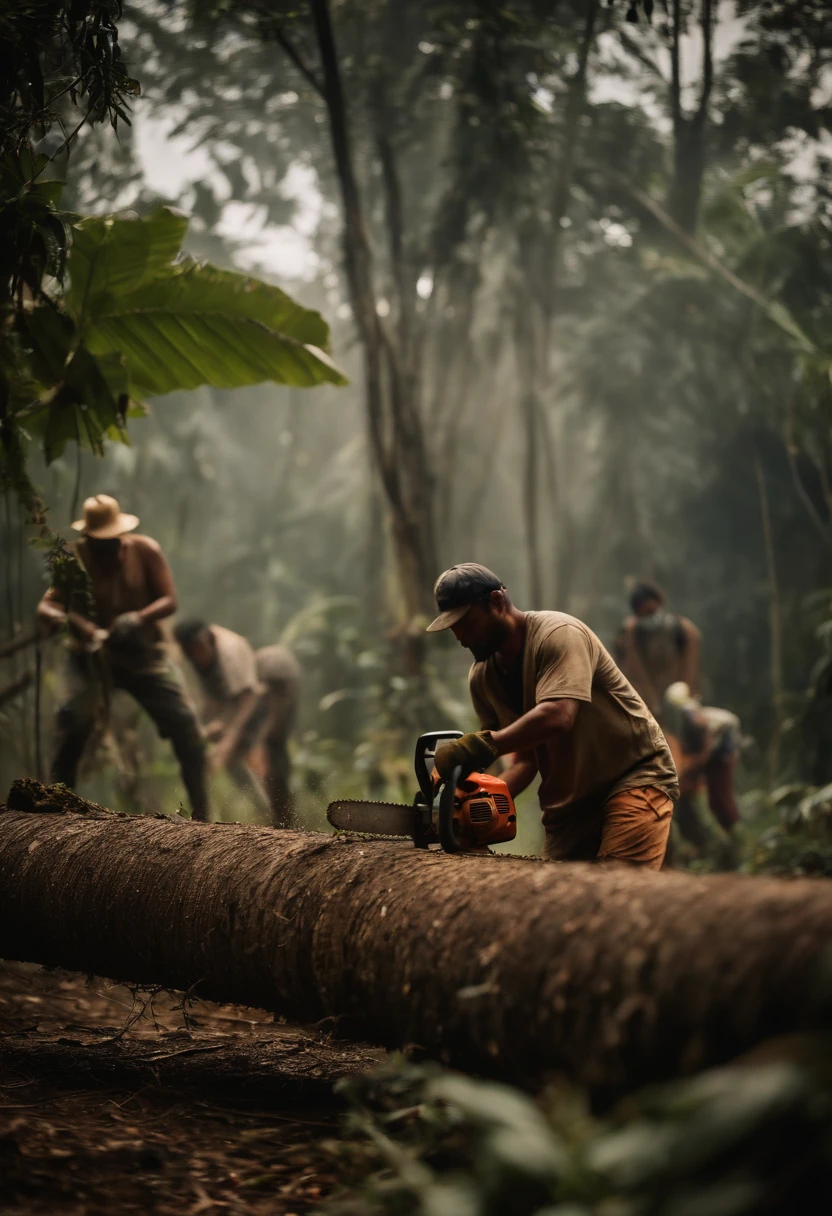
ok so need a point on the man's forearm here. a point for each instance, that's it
(520, 773)
(240, 718)
(51, 613)
(164, 606)
(535, 727)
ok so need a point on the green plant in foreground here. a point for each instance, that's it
(750, 1138)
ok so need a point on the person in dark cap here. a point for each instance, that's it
(552, 701)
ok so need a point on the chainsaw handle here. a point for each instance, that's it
(425, 746)
(447, 835)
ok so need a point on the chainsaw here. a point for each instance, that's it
(456, 814)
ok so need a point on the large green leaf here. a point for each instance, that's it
(182, 324)
(197, 325)
(111, 255)
(239, 296)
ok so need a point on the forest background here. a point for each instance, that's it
(598, 251)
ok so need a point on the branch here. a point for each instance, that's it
(632, 47)
(15, 688)
(803, 494)
(774, 310)
(19, 643)
(300, 63)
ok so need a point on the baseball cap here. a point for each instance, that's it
(457, 589)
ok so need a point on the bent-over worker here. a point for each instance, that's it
(279, 672)
(705, 741)
(240, 709)
(550, 697)
(132, 589)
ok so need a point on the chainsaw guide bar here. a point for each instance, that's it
(374, 818)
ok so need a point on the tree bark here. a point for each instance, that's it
(689, 129)
(530, 351)
(541, 259)
(503, 965)
(395, 428)
(775, 614)
(284, 1065)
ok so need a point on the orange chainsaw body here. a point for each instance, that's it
(484, 811)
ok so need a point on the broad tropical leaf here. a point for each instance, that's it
(111, 256)
(198, 326)
(182, 324)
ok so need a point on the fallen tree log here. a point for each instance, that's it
(255, 1067)
(501, 965)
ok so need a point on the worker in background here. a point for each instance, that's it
(279, 673)
(551, 699)
(116, 642)
(240, 709)
(656, 648)
(705, 742)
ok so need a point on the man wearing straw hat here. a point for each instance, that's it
(117, 643)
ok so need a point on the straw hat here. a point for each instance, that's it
(104, 519)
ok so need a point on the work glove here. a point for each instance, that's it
(124, 626)
(473, 753)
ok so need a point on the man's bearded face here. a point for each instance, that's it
(482, 630)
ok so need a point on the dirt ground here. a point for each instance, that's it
(114, 1102)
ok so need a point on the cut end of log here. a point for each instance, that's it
(26, 794)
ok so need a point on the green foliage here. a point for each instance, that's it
(183, 325)
(54, 51)
(735, 1141)
(794, 831)
(57, 60)
(33, 238)
(137, 319)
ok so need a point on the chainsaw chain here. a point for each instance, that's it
(347, 835)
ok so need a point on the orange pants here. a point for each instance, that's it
(634, 827)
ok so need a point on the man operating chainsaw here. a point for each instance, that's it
(550, 698)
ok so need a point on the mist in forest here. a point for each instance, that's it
(600, 258)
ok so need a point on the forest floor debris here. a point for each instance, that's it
(114, 1102)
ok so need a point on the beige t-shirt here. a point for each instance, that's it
(276, 664)
(235, 673)
(615, 743)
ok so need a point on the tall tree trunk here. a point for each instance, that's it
(396, 438)
(497, 964)
(540, 308)
(775, 613)
(530, 350)
(689, 130)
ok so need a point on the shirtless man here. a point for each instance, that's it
(656, 648)
(117, 643)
